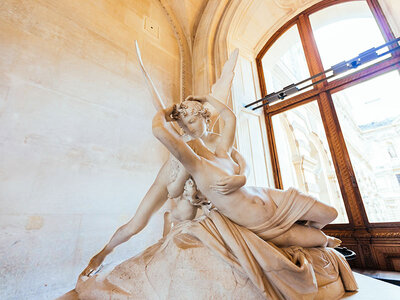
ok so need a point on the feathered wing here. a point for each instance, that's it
(222, 86)
(157, 102)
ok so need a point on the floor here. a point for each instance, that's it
(373, 289)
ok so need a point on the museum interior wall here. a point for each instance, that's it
(77, 153)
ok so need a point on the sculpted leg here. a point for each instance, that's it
(303, 236)
(152, 201)
(320, 215)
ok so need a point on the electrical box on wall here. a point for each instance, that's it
(151, 27)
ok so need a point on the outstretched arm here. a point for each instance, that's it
(152, 201)
(163, 131)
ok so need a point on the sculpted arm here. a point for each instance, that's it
(152, 201)
(229, 119)
(164, 132)
(230, 184)
(239, 159)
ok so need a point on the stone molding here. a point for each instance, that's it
(184, 52)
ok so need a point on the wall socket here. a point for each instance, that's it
(151, 27)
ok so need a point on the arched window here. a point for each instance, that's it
(331, 139)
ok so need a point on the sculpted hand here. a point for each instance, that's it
(167, 113)
(94, 263)
(229, 184)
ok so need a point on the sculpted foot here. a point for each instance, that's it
(95, 265)
(333, 242)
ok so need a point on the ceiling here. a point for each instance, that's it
(188, 14)
(259, 19)
(255, 20)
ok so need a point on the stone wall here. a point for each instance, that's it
(391, 9)
(76, 150)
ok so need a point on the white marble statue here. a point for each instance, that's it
(247, 245)
(171, 181)
(250, 207)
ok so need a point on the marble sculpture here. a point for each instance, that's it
(222, 239)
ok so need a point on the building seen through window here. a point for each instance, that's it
(367, 112)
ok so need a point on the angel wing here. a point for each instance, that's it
(222, 86)
(157, 102)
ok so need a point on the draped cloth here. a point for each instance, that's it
(277, 273)
(291, 206)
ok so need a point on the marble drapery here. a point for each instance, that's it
(214, 244)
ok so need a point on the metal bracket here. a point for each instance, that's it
(364, 57)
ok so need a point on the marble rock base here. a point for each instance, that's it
(180, 267)
(182, 270)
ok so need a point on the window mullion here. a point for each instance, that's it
(383, 24)
(309, 46)
(381, 20)
(343, 167)
(335, 139)
(273, 152)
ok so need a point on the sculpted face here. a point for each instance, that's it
(194, 125)
(193, 118)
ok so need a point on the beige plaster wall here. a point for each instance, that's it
(76, 149)
(391, 9)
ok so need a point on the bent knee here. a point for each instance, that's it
(332, 213)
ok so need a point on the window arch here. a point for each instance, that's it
(353, 115)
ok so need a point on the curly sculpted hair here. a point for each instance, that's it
(183, 109)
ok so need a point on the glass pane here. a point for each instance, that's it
(369, 115)
(304, 158)
(345, 30)
(285, 63)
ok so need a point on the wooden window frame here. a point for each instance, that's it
(322, 94)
